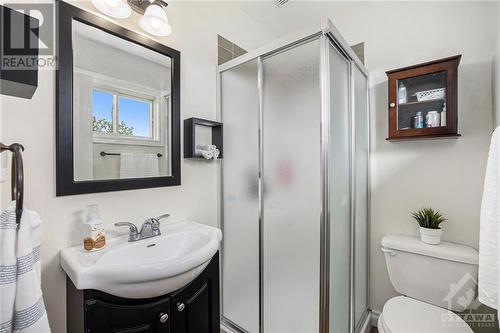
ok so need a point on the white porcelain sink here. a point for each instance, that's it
(146, 268)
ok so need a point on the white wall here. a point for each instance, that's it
(445, 174)
(31, 122)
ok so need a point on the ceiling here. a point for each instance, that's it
(295, 15)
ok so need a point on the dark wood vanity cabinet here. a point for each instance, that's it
(194, 306)
(423, 100)
(191, 309)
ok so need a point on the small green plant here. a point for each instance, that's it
(428, 218)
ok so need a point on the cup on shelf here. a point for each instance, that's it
(433, 119)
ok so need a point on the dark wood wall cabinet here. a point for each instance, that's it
(423, 100)
(191, 309)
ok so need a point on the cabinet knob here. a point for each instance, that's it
(163, 317)
(180, 306)
(392, 104)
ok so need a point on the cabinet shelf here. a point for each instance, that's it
(422, 102)
(425, 137)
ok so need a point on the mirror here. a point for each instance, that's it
(121, 102)
(118, 118)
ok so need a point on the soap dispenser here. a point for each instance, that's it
(94, 237)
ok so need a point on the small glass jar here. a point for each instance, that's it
(433, 119)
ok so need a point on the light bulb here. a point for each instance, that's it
(155, 21)
(113, 3)
(155, 24)
(113, 8)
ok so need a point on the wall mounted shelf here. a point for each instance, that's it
(190, 136)
(423, 100)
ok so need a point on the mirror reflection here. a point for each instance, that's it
(121, 107)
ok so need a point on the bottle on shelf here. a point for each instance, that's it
(433, 119)
(402, 98)
(418, 120)
(443, 115)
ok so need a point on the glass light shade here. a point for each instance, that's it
(113, 8)
(155, 21)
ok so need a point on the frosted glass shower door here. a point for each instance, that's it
(340, 194)
(291, 190)
(361, 196)
(240, 213)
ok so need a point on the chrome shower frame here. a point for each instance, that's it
(327, 34)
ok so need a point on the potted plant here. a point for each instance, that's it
(429, 221)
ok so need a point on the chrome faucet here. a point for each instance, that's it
(150, 228)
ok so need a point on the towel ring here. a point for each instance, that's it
(17, 180)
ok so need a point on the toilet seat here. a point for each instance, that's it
(407, 315)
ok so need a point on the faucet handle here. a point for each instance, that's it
(161, 217)
(133, 228)
(155, 221)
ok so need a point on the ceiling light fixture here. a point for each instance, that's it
(113, 8)
(155, 20)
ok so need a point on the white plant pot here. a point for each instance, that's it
(430, 236)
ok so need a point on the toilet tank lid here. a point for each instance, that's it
(445, 250)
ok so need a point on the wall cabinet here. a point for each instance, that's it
(191, 309)
(423, 100)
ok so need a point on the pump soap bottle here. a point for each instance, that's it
(94, 237)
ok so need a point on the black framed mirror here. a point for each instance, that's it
(117, 107)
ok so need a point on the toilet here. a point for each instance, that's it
(434, 280)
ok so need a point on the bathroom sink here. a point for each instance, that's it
(146, 268)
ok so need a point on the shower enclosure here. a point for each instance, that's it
(294, 189)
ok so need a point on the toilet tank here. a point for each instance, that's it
(444, 275)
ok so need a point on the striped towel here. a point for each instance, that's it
(21, 302)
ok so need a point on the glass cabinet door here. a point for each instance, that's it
(423, 100)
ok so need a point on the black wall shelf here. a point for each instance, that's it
(190, 140)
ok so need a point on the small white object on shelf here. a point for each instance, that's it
(429, 95)
(433, 119)
(443, 116)
(402, 99)
(207, 151)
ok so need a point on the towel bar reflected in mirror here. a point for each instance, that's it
(103, 153)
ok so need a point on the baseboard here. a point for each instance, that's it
(374, 320)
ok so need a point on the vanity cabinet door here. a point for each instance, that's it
(195, 308)
(103, 317)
